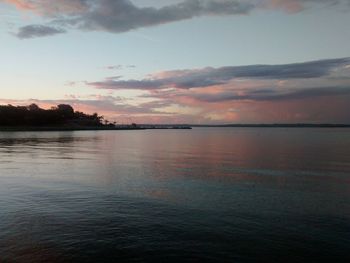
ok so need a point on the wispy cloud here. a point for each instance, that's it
(119, 67)
(33, 31)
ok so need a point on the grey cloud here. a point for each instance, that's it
(207, 77)
(123, 15)
(296, 6)
(110, 83)
(33, 31)
(272, 94)
(327, 2)
(313, 69)
(118, 16)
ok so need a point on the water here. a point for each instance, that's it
(207, 194)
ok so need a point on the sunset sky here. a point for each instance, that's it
(180, 61)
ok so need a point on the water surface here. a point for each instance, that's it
(207, 194)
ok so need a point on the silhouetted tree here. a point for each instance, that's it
(66, 111)
(33, 107)
(33, 115)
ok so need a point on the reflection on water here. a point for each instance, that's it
(237, 195)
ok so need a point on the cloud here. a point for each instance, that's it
(52, 8)
(110, 83)
(119, 67)
(121, 16)
(316, 91)
(295, 6)
(207, 77)
(33, 31)
(273, 94)
(118, 16)
(321, 109)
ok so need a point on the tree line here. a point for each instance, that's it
(33, 115)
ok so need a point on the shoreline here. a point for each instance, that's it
(274, 126)
(165, 127)
(47, 129)
(53, 129)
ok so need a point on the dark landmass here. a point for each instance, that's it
(240, 125)
(278, 125)
(164, 126)
(61, 118)
(66, 128)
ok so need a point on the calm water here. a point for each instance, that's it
(207, 194)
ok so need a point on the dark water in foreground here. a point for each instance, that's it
(207, 194)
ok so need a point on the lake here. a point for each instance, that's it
(204, 195)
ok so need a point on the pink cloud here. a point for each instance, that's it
(290, 6)
(329, 109)
(50, 7)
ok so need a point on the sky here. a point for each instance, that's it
(180, 61)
